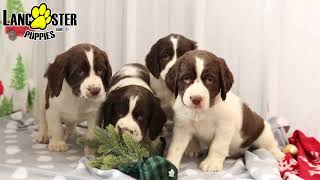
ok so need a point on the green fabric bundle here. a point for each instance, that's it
(113, 150)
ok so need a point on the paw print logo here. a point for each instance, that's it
(41, 16)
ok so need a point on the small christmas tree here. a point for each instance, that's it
(6, 106)
(30, 99)
(19, 81)
(14, 6)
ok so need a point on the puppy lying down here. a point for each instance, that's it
(131, 105)
(205, 109)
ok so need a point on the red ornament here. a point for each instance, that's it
(1, 88)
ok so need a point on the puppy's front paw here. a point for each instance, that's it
(211, 165)
(42, 138)
(58, 146)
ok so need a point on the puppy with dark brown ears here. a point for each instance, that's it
(132, 106)
(206, 109)
(160, 59)
(76, 84)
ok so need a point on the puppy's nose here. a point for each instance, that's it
(94, 91)
(196, 100)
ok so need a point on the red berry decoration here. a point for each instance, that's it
(1, 88)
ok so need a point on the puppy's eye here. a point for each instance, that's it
(99, 72)
(139, 117)
(187, 79)
(81, 73)
(165, 56)
(209, 80)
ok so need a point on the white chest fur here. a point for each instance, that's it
(72, 108)
(204, 124)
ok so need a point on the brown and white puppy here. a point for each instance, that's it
(204, 108)
(75, 89)
(162, 56)
(131, 105)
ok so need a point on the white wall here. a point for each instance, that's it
(299, 73)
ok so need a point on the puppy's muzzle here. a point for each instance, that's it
(124, 129)
(196, 100)
(94, 91)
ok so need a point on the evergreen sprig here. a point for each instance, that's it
(113, 150)
(6, 106)
(30, 99)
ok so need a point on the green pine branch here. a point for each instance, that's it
(30, 99)
(114, 150)
(6, 106)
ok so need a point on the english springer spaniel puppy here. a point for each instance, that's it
(131, 105)
(204, 108)
(162, 56)
(76, 84)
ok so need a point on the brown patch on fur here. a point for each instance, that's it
(211, 76)
(158, 119)
(101, 63)
(47, 96)
(226, 78)
(143, 74)
(252, 126)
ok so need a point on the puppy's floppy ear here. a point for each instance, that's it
(172, 78)
(194, 45)
(108, 74)
(226, 78)
(105, 114)
(157, 121)
(55, 74)
(152, 61)
(189, 44)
